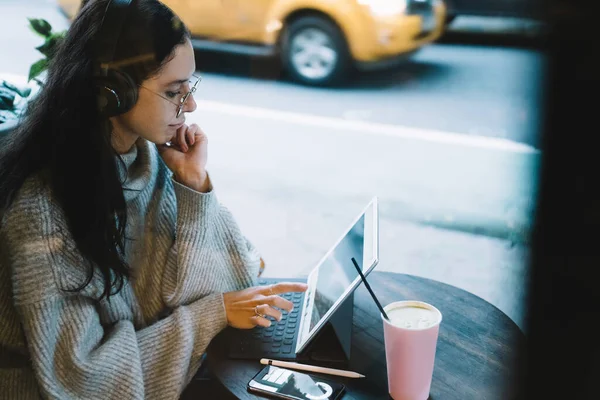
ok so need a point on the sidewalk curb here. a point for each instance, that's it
(496, 25)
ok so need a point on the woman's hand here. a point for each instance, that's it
(187, 157)
(242, 306)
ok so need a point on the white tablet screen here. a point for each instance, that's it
(335, 277)
(337, 272)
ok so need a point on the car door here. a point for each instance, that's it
(247, 19)
(204, 18)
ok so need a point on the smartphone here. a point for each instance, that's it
(284, 383)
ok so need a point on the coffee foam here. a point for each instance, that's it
(413, 315)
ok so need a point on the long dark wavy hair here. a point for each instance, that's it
(65, 139)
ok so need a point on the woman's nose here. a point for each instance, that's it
(190, 104)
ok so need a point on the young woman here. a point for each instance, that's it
(118, 265)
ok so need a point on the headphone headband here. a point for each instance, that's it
(115, 90)
(110, 30)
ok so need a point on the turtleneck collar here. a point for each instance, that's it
(136, 168)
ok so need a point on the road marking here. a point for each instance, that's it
(371, 128)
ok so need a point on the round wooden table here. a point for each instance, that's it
(476, 352)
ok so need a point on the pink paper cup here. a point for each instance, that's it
(410, 350)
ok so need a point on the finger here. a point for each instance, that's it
(197, 130)
(181, 138)
(200, 137)
(266, 290)
(190, 135)
(279, 302)
(261, 321)
(175, 139)
(286, 287)
(270, 311)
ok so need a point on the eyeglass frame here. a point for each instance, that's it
(184, 99)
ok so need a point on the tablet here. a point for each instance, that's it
(335, 276)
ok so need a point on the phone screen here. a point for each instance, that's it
(295, 385)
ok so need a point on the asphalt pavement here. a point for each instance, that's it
(467, 89)
(448, 142)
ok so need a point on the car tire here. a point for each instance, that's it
(314, 52)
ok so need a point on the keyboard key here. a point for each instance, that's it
(276, 344)
(286, 349)
(288, 341)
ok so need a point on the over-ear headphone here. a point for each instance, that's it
(116, 92)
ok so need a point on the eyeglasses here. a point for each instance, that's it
(181, 103)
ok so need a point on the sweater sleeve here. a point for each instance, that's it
(81, 347)
(210, 254)
(75, 357)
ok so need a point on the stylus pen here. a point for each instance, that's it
(311, 368)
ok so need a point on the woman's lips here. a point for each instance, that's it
(179, 125)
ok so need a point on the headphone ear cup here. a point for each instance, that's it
(107, 97)
(128, 90)
(116, 93)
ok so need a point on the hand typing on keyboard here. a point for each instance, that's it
(252, 307)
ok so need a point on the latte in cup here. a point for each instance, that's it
(413, 315)
(410, 336)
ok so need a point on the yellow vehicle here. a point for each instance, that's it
(318, 41)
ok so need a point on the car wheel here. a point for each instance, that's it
(314, 52)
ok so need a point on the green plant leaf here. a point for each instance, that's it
(40, 26)
(37, 68)
(48, 48)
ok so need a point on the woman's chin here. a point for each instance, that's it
(168, 139)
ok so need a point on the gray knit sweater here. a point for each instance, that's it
(147, 342)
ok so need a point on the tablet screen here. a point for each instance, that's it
(335, 277)
(337, 273)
